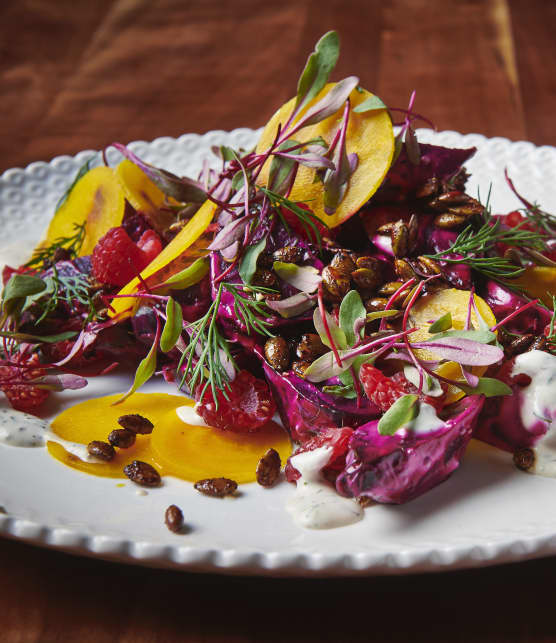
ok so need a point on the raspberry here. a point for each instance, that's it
(338, 439)
(384, 391)
(381, 390)
(23, 397)
(248, 407)
(150, 244)
(117, 260)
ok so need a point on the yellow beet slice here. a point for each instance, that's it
(177, 255)
(539, 282)
(369, 135)
(139, 190)
(97, 200)
(429, 308)
(197, 452)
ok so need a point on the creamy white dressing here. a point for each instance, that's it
(426, 421)
(538, 399)
(315, 504)
(538, 403)
(189, 415)
(19, 429)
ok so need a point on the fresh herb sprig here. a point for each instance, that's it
(473, 247)
(64, 288)
(43, 257)
(309, 222)
(207, 358)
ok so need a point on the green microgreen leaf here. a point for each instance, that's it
(347, 392)
(248, 263)
(189, 276)
(487, 386)
(481, 336)
(304, 278)
(21, 286)
(145, 370)
(317, 69)
(173, 327)
(238, 180)
(380, 314)
(31, 339)
(442, 323)
(403, 410)
(338, 335)
(224, 152)
(371, 104)
(351, 311)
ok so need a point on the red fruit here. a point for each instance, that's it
(116, 260)
(22, 396)
(384, 391)
(338, 439)
(248, 407)
(150, 244)
(304, 231)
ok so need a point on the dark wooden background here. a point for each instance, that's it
(78, 74)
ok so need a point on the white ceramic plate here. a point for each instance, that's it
(486, 513)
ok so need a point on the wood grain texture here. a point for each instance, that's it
(77, 74)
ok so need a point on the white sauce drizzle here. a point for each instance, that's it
(426, 421)
(19, 429)
(431, 386)
(538, 403)
(189, 415)
(315, 504)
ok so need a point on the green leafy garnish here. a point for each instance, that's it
(188, 276)
(352, 311)
(371, 104)
(403, 410)
(487, 386)
(173, 327)
(43, 257)
(248, 263)
(317, 70)
(442, 323)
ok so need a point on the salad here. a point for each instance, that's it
(339, 275)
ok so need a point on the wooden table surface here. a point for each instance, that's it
(77, 74)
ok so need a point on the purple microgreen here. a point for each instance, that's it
(294, 305)
(328, 105)
(431, 385)
(304, 278)
(181, 189)
(509, 317)
(353, 160)
(463, 351)
(248, 263)
(146, 368)
(371, 104)
(336, 181)
(404, 356)
(325, 330)
(400, 414)
(231, 232)
(523, 200)
(309, 159)
(238, 181)
(172, 327)
(187, 277)
(230, 253)
(346, 391)
(394, 297)
(352, 312)
(283, 170)
(470, 378)
(330, 333)
(412, 146)
(62, 382)
(317, 69)
(327, 366)
(442, 323)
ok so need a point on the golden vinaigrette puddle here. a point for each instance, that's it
(174, 448)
